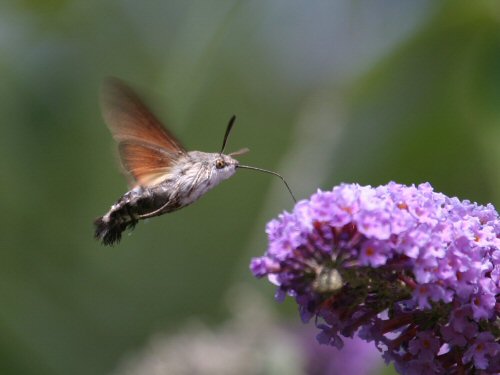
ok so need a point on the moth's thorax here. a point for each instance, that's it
(196, 172)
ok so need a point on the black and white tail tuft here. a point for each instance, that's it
(109, 228)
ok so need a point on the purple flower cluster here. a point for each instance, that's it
(412, 270)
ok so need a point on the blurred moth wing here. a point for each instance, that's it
(148, 165)
(147, 149)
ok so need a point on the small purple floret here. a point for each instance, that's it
(420, 273)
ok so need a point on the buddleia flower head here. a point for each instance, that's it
(410, 269)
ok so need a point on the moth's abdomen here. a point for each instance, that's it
(125, 214)
(109, 228)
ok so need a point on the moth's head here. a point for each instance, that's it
(223, 165)
(214, 166)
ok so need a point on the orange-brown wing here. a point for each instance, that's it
(147, 164)
(147, 148)
(129, 119)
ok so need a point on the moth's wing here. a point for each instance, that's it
(147, 148)
(130, 119)
(147, 164)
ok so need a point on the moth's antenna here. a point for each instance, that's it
(244, 150)
(270, 172)
(228, 130)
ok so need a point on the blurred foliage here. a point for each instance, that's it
(363, 91)
(428, 107)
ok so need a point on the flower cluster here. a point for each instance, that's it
(412, 270)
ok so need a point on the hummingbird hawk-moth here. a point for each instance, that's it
(163, 175)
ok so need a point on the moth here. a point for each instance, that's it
(163, 175)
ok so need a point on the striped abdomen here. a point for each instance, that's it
(126, 212)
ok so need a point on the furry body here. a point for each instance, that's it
(192, 175)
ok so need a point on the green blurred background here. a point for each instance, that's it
(325, 92)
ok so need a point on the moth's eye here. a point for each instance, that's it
(219, 164)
